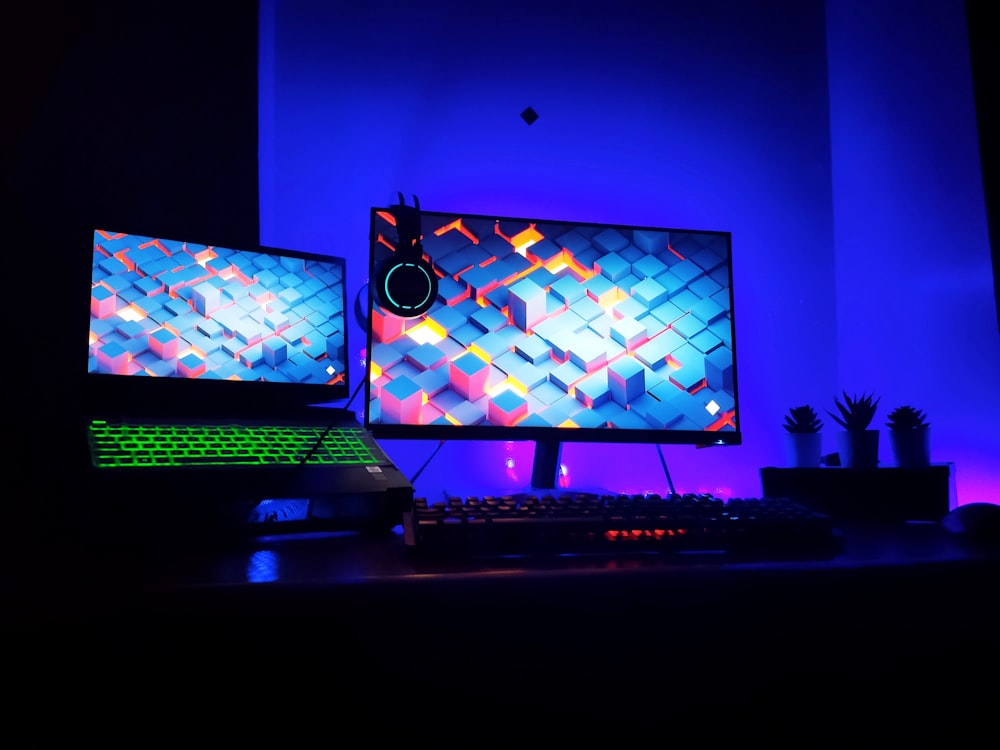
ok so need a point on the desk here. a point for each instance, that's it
(897, 613)
(898, 616)
(325, 574)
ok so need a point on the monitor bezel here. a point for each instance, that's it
(546, 434)
(116, 395)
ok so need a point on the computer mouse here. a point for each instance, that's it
(977, 521)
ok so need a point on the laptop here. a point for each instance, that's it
(211, 388)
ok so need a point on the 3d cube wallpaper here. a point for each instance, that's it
(168, 308)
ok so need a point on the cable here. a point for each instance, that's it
(317, 443)
(330, 424)
(413, 479)
(663, 462)
(355, 393)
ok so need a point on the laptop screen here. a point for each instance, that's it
(182, 327)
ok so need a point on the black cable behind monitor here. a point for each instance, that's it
(666, 471)
(424, 465)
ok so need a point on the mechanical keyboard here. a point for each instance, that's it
(563, 522)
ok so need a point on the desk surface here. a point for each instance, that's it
(903, 611)
(332, 560)
(317, 569)
(904, 608)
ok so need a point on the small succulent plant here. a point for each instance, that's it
(855, 414)
(906, 418)
(802, 419)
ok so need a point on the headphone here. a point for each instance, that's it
(406, 284)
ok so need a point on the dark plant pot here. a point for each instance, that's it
(858, 450)
(803, 450)
(911, 448)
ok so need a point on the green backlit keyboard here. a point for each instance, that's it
(120, 445)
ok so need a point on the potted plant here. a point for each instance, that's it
(803, 442)
(858, 443)
(909, 437)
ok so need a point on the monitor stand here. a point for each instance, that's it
(546, 471)
(545, 466)
(545, 475)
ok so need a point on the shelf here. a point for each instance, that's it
(881, 494)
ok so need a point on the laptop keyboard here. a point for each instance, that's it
(138, 445)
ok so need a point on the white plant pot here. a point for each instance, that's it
(859, 449)
(911, 448)
(803, 450)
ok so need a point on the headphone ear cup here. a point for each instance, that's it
(406, 287)
(361, 306)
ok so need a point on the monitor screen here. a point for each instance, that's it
(187, 325)
(554, 331)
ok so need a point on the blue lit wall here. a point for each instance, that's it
(840, 154)
(916, 313)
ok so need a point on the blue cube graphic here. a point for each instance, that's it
(467, 413)
(489, 319)
(719, 370)
(610, 240)
(507, 408)
(628, 332)
(650, 292)
(275, 320)
(446, 318)
(587, 309)
(588, 351)
(566, 375)
(707, 310)
(613, 267)
(626, 380)
(567, 289)
(432, 382)
(650, 240)
(705, 341)
(648, 267)
(130, 329)
(450, 290)
(425, 356)
(526, 304)
(275, 351)
(593, 390)
(479, 280)
(654, 352)
(630, 307)
(660, 413)
(688, 326)
(534, 349)
(601, 289)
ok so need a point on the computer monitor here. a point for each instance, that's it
(551, 331)
(189, 327)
